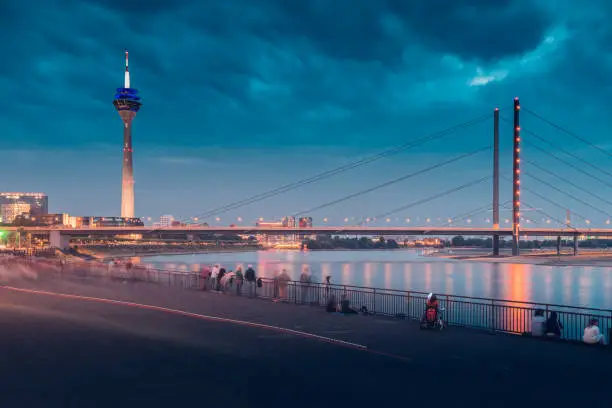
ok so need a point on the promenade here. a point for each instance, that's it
(68, 350)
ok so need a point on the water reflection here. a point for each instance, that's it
(584, 286)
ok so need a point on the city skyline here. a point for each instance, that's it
(242, 98)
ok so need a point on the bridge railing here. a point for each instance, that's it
(481, 313)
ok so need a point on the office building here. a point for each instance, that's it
(39, 202)
(13, 210)
(305, 222)
(166, 221)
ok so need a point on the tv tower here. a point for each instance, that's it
(127, 102)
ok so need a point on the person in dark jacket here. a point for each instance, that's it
(553, 326)
(249, 276)
(219, 276)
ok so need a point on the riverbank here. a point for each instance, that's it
(114, 253)
(591, 258)
(193, 333)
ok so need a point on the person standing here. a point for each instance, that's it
(250, 278)
(239, 278)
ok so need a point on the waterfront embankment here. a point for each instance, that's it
(131, 330)
(105, 253)
(597, 258)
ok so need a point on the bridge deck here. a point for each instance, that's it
(338, 230)
(121, 354)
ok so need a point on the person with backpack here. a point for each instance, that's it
(249, 276)
(219, 277)
(239, 279)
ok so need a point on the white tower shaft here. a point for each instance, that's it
(127, 72)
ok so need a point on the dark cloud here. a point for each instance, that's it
(475, 29)
(274, 67)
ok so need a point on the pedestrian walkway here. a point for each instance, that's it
(469, 366)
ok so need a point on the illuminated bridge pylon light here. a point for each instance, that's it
(516, 178)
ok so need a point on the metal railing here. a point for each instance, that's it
(480, 313)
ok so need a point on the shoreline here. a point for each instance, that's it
(129, 254)
(106, 255)
(596, 259)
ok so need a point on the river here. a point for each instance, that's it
(409, 270)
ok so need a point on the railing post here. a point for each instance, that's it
(374, 301)
(492, 318)
(409, 301)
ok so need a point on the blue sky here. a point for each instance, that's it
(242, 96)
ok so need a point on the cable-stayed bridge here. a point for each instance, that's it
(536, 188)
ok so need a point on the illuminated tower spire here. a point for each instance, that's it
(127, 102)
(127, 72)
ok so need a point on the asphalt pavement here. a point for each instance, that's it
(163, 347)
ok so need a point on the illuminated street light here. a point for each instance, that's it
(346, 219)
(588, 221)
(427, 220)
(325, 219)
(469, 221)
(239, 219)
(388, 220)
(407, 219)
(217, 219)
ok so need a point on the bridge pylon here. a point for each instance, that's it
(496, 180)
(516, 181)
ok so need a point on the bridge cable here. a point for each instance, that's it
(604, 182)
(568, 182)
(560, 159)
(343, 168)
(475, 211)
(580, 159)
(391, 182)
(467, 214)
(546, 199)
(431, 198)
(568, 132)
(567, 194)
(552, 218)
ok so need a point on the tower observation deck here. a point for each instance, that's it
(127, 102)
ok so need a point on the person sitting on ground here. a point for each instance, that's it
(592, 334)
(432, 308)
(345, 305)
(538, 324)
(331, 304)
(553, 326)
